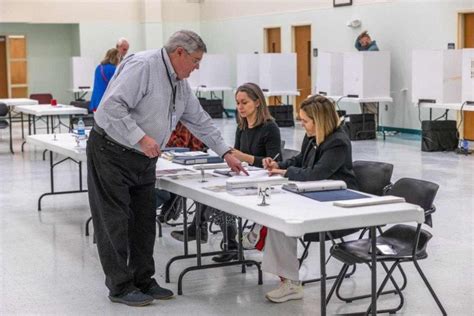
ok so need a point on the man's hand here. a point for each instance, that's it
(269, 163)
(149, 147)
(234, 163)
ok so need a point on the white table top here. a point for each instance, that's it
(282, 93)
(211, 89)
(291, 213)
(65, 144)
(75, 90)
(47, 109)
(447, 106)
(359, 100)
(18, 101)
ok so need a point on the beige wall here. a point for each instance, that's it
(79, 11)
(69, 11)
(219, 9)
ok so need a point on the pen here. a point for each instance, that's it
(276, 156)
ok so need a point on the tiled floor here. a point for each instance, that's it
(48, 266)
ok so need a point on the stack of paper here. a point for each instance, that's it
(253, 179)
(311, 186)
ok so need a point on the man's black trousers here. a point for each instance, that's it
(121, 195)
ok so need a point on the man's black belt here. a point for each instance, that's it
(99, 130)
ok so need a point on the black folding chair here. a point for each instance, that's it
(408, 243)
(372, 177)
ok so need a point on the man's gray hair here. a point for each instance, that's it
(186, 39)
(120, 41)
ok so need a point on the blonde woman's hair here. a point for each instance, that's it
(255, 94)
(323, 113)
(111, 57)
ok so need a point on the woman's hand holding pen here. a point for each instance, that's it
(270, 163)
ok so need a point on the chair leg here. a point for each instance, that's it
(160, 229)
(336, 284)
(304, 255)
(87, 225)
(382, 286)
(211, 230)
(359, 297)
(404, 276)
(438, 302)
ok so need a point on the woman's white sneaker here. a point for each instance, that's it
(288, 290)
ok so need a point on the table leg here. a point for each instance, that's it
(322, 264)
(373, 269)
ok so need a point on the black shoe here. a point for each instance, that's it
(226, 257)
(159, 293)
(134, 298)
(179, 235)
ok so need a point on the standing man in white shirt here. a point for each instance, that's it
(123, 46)
(143, 102)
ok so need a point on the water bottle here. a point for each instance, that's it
(81, 129)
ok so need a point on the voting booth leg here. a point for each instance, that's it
(51, 174)
(22, 127)
(10, 130)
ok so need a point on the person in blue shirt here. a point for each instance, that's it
(103, 74)
(365, 43)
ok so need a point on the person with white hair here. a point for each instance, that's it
(141, 107)
(123, 46)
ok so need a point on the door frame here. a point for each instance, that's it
(293, 47)
(460, 44)
(265, 36)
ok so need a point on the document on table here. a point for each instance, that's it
(177, 171)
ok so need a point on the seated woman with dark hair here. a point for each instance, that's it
(326, 153)
(257, 137)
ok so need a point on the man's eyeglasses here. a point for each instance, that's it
(195, 60)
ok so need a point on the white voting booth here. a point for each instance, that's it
(274, 73)
(82, 72)
(366, 74)
(277, 72)
(213, 72)
(436, 75)
(329, 73)
(467, 75)
(247, 68)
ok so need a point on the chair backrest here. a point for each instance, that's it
(3, 109)
(42, 98)
(372, 176)
(288, 153)
(415, 191)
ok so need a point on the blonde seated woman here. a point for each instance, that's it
(325, 154)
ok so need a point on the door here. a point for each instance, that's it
(302, 36)
(18, 66)
(3, 68)
(469, 43)
(273, 45)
